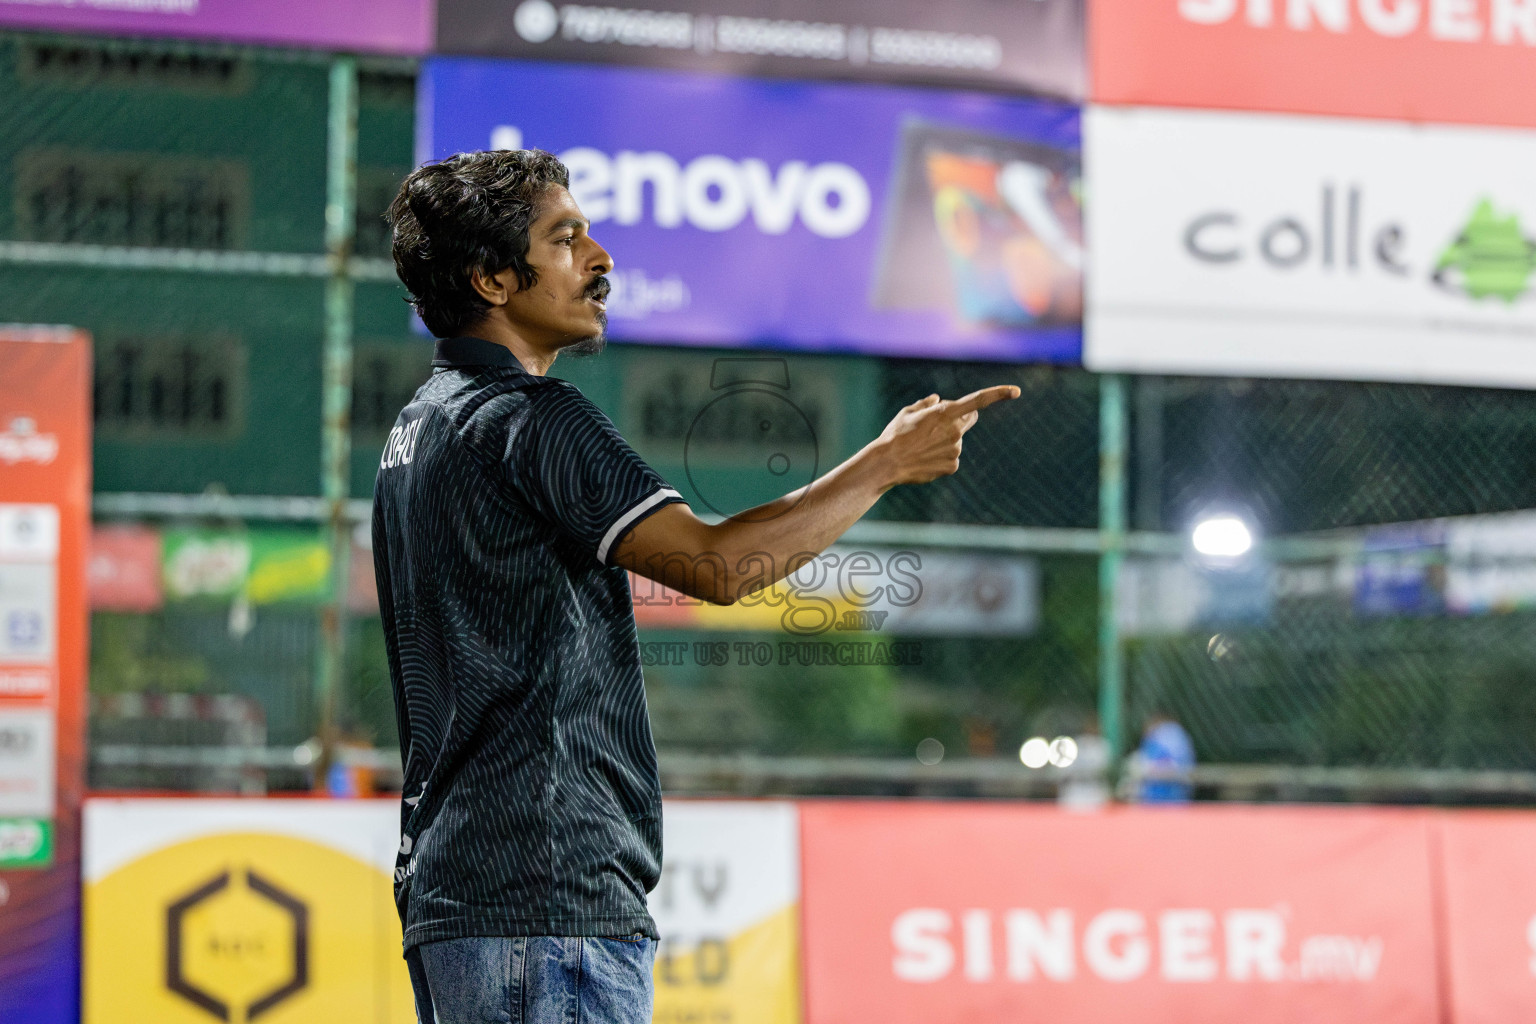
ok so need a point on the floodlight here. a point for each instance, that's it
(1222, 537)
(1063, 752)
(1036, 752)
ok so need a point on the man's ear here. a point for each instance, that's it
(490, 287)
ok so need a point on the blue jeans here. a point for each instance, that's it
(540, 980)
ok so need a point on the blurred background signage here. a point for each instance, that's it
(1455, 61)
(872, 590)
(260, 566)
(1035, 46)
(874, 220)
(45, 480)
(1262, 244)
(124, 571)
(388, 26)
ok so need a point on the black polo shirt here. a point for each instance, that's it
(532, 804)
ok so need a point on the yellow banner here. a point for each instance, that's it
(749, 978)
(243, 927)
(728, 907)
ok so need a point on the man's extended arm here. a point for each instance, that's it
(723, 562)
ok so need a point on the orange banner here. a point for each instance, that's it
(938, 913)
(1490, 915)
(1456, 61)
(45, 490)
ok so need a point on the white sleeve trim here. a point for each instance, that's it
(622, 523)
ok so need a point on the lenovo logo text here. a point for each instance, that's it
(716, 193)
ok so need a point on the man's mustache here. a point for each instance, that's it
(598, 290)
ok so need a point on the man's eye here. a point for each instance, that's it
(567, 240)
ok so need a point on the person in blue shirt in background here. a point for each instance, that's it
(1163, 765)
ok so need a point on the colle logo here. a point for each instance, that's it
(711, 192)
(1491, 258)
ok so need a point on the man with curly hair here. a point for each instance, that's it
(507, 510)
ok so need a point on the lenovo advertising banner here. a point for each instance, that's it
(45, 490)
(1036, 46)
(1269, 245)
(388, 26)
(814, 217)
(1456, 61)
(950, 913)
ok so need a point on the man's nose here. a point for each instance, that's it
(601, 262)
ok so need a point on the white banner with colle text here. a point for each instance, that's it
(1281, 246)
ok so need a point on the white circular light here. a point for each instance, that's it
(1063, 751)
(1222, 537)
(930, 751)
(1036, 752)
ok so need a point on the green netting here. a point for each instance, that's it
(1327, 671)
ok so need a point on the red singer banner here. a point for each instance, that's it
(45, 491)
(1456, 61)
(938, 913)
(1490, 915)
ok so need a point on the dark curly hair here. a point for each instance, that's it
(471, 211)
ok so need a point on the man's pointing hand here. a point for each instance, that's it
(923, 442)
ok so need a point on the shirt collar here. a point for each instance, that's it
(473, 352)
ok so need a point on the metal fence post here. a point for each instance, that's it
(1150, 398)
(1112, 515)
(336, 377)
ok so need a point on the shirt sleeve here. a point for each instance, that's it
(570, 464)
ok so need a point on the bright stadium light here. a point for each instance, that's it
(1036, 752)
(1063, 753)
(1222, 538)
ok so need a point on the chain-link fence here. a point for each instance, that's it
(1404, 646)
(171, 199)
